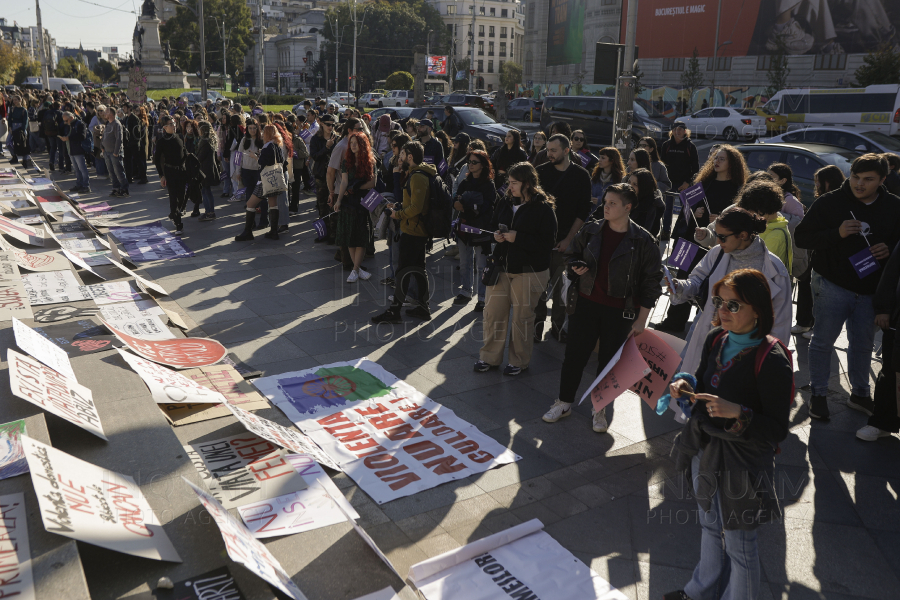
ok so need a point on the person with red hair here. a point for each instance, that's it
(357, 177)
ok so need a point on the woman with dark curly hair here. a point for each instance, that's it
(357, 177)
(191, 136)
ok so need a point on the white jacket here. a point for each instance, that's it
(779, 284)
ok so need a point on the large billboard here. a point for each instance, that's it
(673, 28)
(437, 65)
(565, 32)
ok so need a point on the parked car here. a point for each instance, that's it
(397, 112)
(477, 123)
(341, 98)
(804, 159)
(594, 115)
(730, 123)
(398, 98)
(371, 100)
(521, 109)
(466, 100)
(194, 96)
(845, 137)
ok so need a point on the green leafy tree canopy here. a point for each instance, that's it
(105, 70)
(75, 69)
(399, 80)
(879, 67)
(510, 75)
(183, 34)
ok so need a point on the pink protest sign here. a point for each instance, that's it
(662, 361)
(627, 371)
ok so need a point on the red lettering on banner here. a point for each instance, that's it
(432, 421)
(381, 461)
(456, 438)
(372, 411)
(442, 431)
(404, 432)
(129, 512)
(466, 447)
(333, 419)
(385, 421)
(396, 400)
(361, 445)
(370, 452)
(419, 414)
(331, 430)
(423, 450)
(349, 436)
(264, 469)
(445, 465)
(401, 481)
(387, 472)
(481, 456)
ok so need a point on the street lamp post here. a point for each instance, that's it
(224, 51)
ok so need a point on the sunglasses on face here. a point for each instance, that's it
(474, 162)
(577, 139)
(644, 146)
(733, 306)
(723, 236)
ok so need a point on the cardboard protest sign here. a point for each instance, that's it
(79, 261)
(286, 438)
(82, 245)
(55, 393)
(24, 233)
(182, 353)
(12, 455)
(55, 207)
(246, 371)
(94, 505)
(305, 510)
(113, 291)
(36, 261)
(388, 437)
(218, 584)
(223, 379)
(661, 353)
(627, 370)
(167, 385)
(94, 207)
(141, 280)
(54, 288)
(520, 562)
(63, 313)
(243, 548)
(149, 327)
(242, 469)
(70, 227)
(385, 594)
(127, 311)
(42, 349)
(17, 579)
(683, 255)
(14, 302)
(81, 337)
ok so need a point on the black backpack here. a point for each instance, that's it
(51, 128)
(440, 207)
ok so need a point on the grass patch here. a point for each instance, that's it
(159, 94)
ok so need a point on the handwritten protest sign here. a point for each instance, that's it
(244, 468)
(55, 393)
(81, 261)
(14, 300)
(625, 373)
(24, 233)
(181, 353)
(12, 455)
(388, 437)
(167, 385)
(35, 261)
(111, 292)
(149, 327)
(127, 311)
(218, 584)
(54, 287)
(141, 281)
(243, 548)
(77, 338)
(305, 510)
(661, 353)
(17, 579)
(42, 349)
(286, 438)
(94, 505)
(224, 379)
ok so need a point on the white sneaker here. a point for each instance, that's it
(354, 275)
(364, 275)
(558, 411)
(793, 39)
(870, 433)
(807, 334)
(798, 329)
(600, 423)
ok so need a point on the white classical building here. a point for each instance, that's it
(498, 28)
(291, 56)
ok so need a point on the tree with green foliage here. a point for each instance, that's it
(692, 78)
(778, 71)
(386, 39)
(15, 65)
(75, 68)
(880, 66)
(183, 34)
(510, 75)
(105, 70)
(399, 80)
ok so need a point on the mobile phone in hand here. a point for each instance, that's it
(503, 228)
(576, 264)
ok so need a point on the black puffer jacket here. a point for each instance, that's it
(535, 225)
(649, 215)
(477, 197)
(635, 269)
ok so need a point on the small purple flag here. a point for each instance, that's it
(502, 191)
(691, 196)
(429, 159)
(305, 134)
(585, 159)
(442, 168)
(864, 263)
(683, 254)
(463, 228)
(372, 200)
(321, 228)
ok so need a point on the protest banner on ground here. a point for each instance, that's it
(77, 338)
(150, 242)
(243, 548)
(218, 584)
(17, 579)
(167, 386)
(35, 261)
(286, 438)
(94, 505)
(111, 292)
(224, 379)
(242, 469)
(388, 437)
(55, 393)
(385, 594)
(24, 233)
(61, 313)
(521, 562)
(54, 287)
(12, 455)
(134, 309)
(141, 280)
(305, 510)
(81, 261)
(42, 349)
(149, 327)
(181, 353)
(14, 302)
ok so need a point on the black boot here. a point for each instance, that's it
(247, 234)
(273, 224)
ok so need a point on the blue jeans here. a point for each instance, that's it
(471, 257)
(82, 178)
(832, 307)
(54, 150)
(227, 187)
(116, 171)
(100, 165)
(729, 559)
(209, 203)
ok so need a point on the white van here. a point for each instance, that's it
(398, 98)
(73, 85)
(874, 108)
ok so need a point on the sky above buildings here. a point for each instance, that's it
(93, 23)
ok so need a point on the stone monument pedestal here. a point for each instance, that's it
(158, 72)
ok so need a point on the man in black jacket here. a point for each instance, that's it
(131, 126)
(453, 124)
(434, 152)
(851, 231)
(320, 147)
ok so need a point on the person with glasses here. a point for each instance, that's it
(739, 247)
(170, 161)
(474, 200)
(657, 167)
(739, 400)
(583, 151)
(608, 171)
(507, 155)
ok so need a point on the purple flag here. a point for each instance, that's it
(691, 196)
(502, 191)
(864, 263)
(305, 134)
(372, 200)
(585, 159)
(683, 254)
(463, 228)
(321, 228)
(429, 159)
(442, 168)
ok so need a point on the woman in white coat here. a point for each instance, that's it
(739, 247)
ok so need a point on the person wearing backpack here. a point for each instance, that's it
(50, 129)
(414, 235)
(739, 403)
(80, 143)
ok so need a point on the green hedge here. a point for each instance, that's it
(244, 99)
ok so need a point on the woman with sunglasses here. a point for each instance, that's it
(608, 171)
(739, 398)
(659, 170)
(475, 202)
(583, 151)
(739, 247)
(507, 155)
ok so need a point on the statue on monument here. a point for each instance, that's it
(148, 9)
(138, 39)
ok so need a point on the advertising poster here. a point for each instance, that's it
(167, 386)
(12, 455)
(387, 436)
(101, 507)
(242, 469)
(437, 65)
(243, 548)
(17, 580)
(565, 32)
(63, 397)
(181, 353)
(78, 338)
